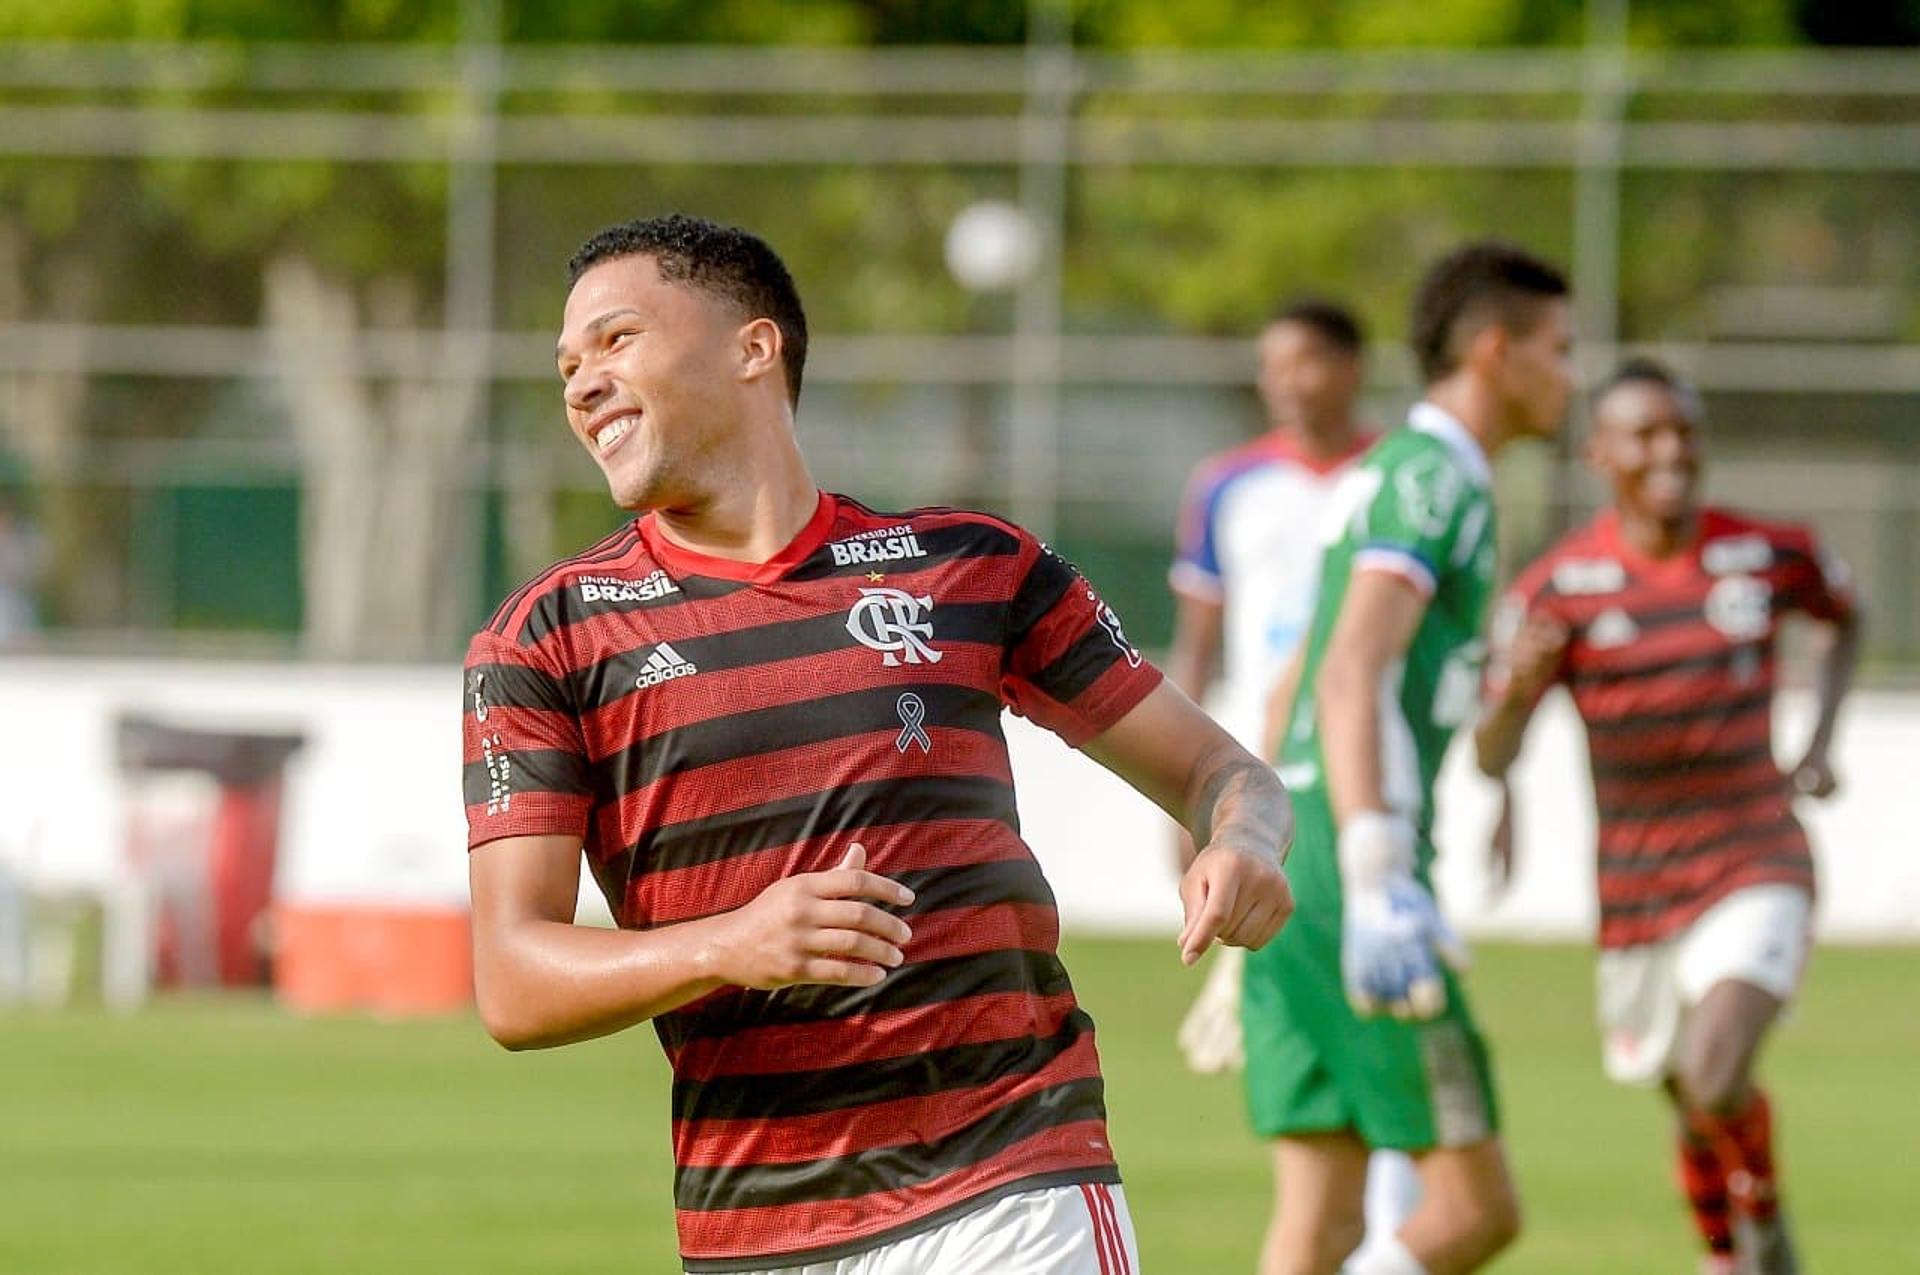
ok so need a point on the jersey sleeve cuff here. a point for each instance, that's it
(1195, 581)
(1398, 560)
(531, 814)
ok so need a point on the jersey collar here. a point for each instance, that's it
(1430, 418)
(1284, 445)
(682, 561)
(1684, 561)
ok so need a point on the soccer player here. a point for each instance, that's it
(1247, 558)
(770, 718)
(1248, 540)
(1358, 1034)
(1659, 617)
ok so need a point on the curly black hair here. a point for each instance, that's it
(722, 261)
(1482, 282)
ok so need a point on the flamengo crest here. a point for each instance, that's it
(889, 621)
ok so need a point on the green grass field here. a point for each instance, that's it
(217, 1136)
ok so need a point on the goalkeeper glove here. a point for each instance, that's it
(1393, 939)
(1210, 1035)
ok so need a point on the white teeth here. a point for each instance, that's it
(613, 433)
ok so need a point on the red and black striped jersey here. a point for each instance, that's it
(1671, 665)
(709, 727)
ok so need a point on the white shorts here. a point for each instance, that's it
(1759, 935)
(1062, 1230)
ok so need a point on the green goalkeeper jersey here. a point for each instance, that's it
(1420, 505)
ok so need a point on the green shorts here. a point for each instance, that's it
(1313, 1066)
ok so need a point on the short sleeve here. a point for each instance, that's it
(1423, 510)
(1067, 663)
(1196, 570)
(524, 761)
(1818, 582)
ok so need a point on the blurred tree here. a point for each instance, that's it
(334, 257)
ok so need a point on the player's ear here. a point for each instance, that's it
(1594, 450)
(1486, 349)
(761, 348)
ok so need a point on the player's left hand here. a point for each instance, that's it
(1236, 894)
(1814, 776)
(1535, 656)
(1393, 940)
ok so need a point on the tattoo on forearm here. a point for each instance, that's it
(1242, 796)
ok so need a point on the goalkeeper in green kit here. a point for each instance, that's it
(1358, 1034)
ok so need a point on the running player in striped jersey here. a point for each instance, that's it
(770, 717)
(1660, 617)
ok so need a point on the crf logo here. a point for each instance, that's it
(1740, 607)
(889, 621)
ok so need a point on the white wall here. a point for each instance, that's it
(374, 809)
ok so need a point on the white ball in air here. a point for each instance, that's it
(992, 245)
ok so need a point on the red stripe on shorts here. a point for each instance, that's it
(1099, 1233)
(1113, 1222)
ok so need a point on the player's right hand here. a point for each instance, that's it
(1534, 658)
(1500, 847)
(1393, 939)
(818, 927)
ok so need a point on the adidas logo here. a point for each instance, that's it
(663, 665)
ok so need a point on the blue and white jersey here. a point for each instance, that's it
(1250, 539)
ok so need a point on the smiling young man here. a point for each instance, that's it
(1660, 618)
(1358, 1036)
(770, 718)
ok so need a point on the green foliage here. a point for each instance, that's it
(682, 22)
(228, 20)
(1257, 24)
(182, 239)
(1213, 251)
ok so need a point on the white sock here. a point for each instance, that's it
(1383, 1255)
(1393, 1190)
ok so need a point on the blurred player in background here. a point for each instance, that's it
(1660, 617)
(1248, 544)
(1247, 557)
(771, 718)
(1358, 1034)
